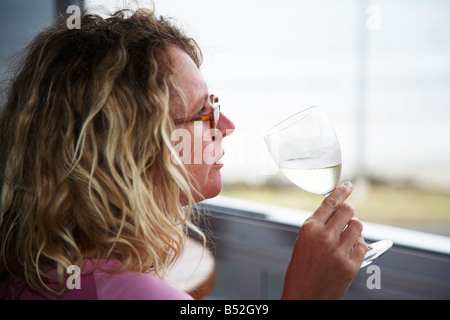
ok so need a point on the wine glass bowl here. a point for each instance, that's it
(306, 149)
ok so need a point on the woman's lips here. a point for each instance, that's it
(219, 161)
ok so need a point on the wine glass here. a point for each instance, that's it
(306, 149)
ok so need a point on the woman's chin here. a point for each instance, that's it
(210, 189)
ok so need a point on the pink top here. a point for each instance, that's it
(99, 285)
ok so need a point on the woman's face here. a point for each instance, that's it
(199, 150)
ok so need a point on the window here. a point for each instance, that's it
(379, 69)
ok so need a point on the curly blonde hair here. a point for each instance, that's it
(85, 163)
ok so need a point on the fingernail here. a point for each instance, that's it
(348, 185)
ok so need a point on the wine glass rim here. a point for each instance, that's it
(292, 119)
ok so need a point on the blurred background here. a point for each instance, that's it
(380, 70)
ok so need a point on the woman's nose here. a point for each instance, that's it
(225, 125)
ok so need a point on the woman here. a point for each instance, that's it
(108, 137)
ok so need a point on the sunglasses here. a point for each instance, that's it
(213, 117)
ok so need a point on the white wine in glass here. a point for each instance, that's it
(306, 149)
(320, 180)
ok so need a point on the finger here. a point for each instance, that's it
(341, 218)
(351, 234)
(359, 252)
(361, 236)
(331, 203)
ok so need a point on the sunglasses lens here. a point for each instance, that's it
(216, 114)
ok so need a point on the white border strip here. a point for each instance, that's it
(402, 237)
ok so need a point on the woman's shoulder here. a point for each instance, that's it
(134, 286)
(99, 281)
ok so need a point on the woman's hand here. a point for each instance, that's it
(328, 251)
